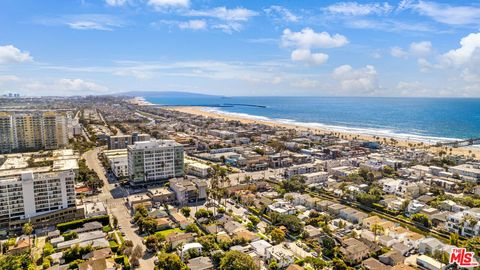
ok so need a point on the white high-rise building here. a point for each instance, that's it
(29, 192)
(154, 160)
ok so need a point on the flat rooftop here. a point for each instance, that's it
(16, 164)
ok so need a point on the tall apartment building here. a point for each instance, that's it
(32, 131)
(122, 141)
(44, 195)
(155, 160)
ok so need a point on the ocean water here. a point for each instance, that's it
(422, 119)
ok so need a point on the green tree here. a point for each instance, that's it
(422, 219)
(186, 211)
(278, 236)
(339, 264)
(454, 239)
(254, 219)
(170, 261)
(147, 224)
(316, 263)
(236, 260)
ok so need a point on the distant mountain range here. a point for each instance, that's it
(163, 94)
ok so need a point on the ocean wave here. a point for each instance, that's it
(336, 128)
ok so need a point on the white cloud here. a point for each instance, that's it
(227, 20)
(85, 22)
(193, 25)
(398, 52)
(115, 3)
(412, 89)
(66, 87)
(421, 48)
(223, 13)
(416, 49)
(8, 78)
(86, 25)
(356, 9)
(362, 79)
(453, 15)
(467, 54)
(424, 65)
(305, 55)
(307, 38)
(160, 4)
(280, 13)
(11, 54)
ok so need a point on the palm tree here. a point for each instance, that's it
(376, 230)
(27, 230)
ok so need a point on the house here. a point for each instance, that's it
(370, 221)
(139, 199)
(354, 251)
(190, 246)
(398, 233)
(282, 207)
(429, 263)
(178, 238)
(98, 264)
(429, 245)
(163, 223)
(161, 195)
(200, 263)
(312, 231)
(374, 264)
(245, 234)
(412, 239)
(180, 219)
(401, 248)
(260, 247)
(294, 267)
(402, 267)
(283, 256)
(386, 240)
(232, 226)
(392, 258)
(352, 215)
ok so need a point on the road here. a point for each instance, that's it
(116, 206)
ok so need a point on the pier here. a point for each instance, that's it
(460, 143)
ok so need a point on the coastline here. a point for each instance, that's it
(403, 142)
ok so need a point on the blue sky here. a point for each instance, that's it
(320, 48)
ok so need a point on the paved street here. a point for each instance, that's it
(116, 206)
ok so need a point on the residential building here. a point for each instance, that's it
(154, 161)
(122, 141)
(32, 131)
(283, 256)
(29, 192)
(465, 223)
(118, 161)
(189, 191)
(196, 168)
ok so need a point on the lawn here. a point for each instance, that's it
(169, 231)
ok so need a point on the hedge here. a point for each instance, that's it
(123, 260)
(105, 220)
(113, 246)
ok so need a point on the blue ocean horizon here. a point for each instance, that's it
(422, 119)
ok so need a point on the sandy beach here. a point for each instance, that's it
(467, 151)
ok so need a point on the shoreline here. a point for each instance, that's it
(345, 134)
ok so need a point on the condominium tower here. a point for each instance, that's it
(155, 160)
(37, 193)
(32, 131)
